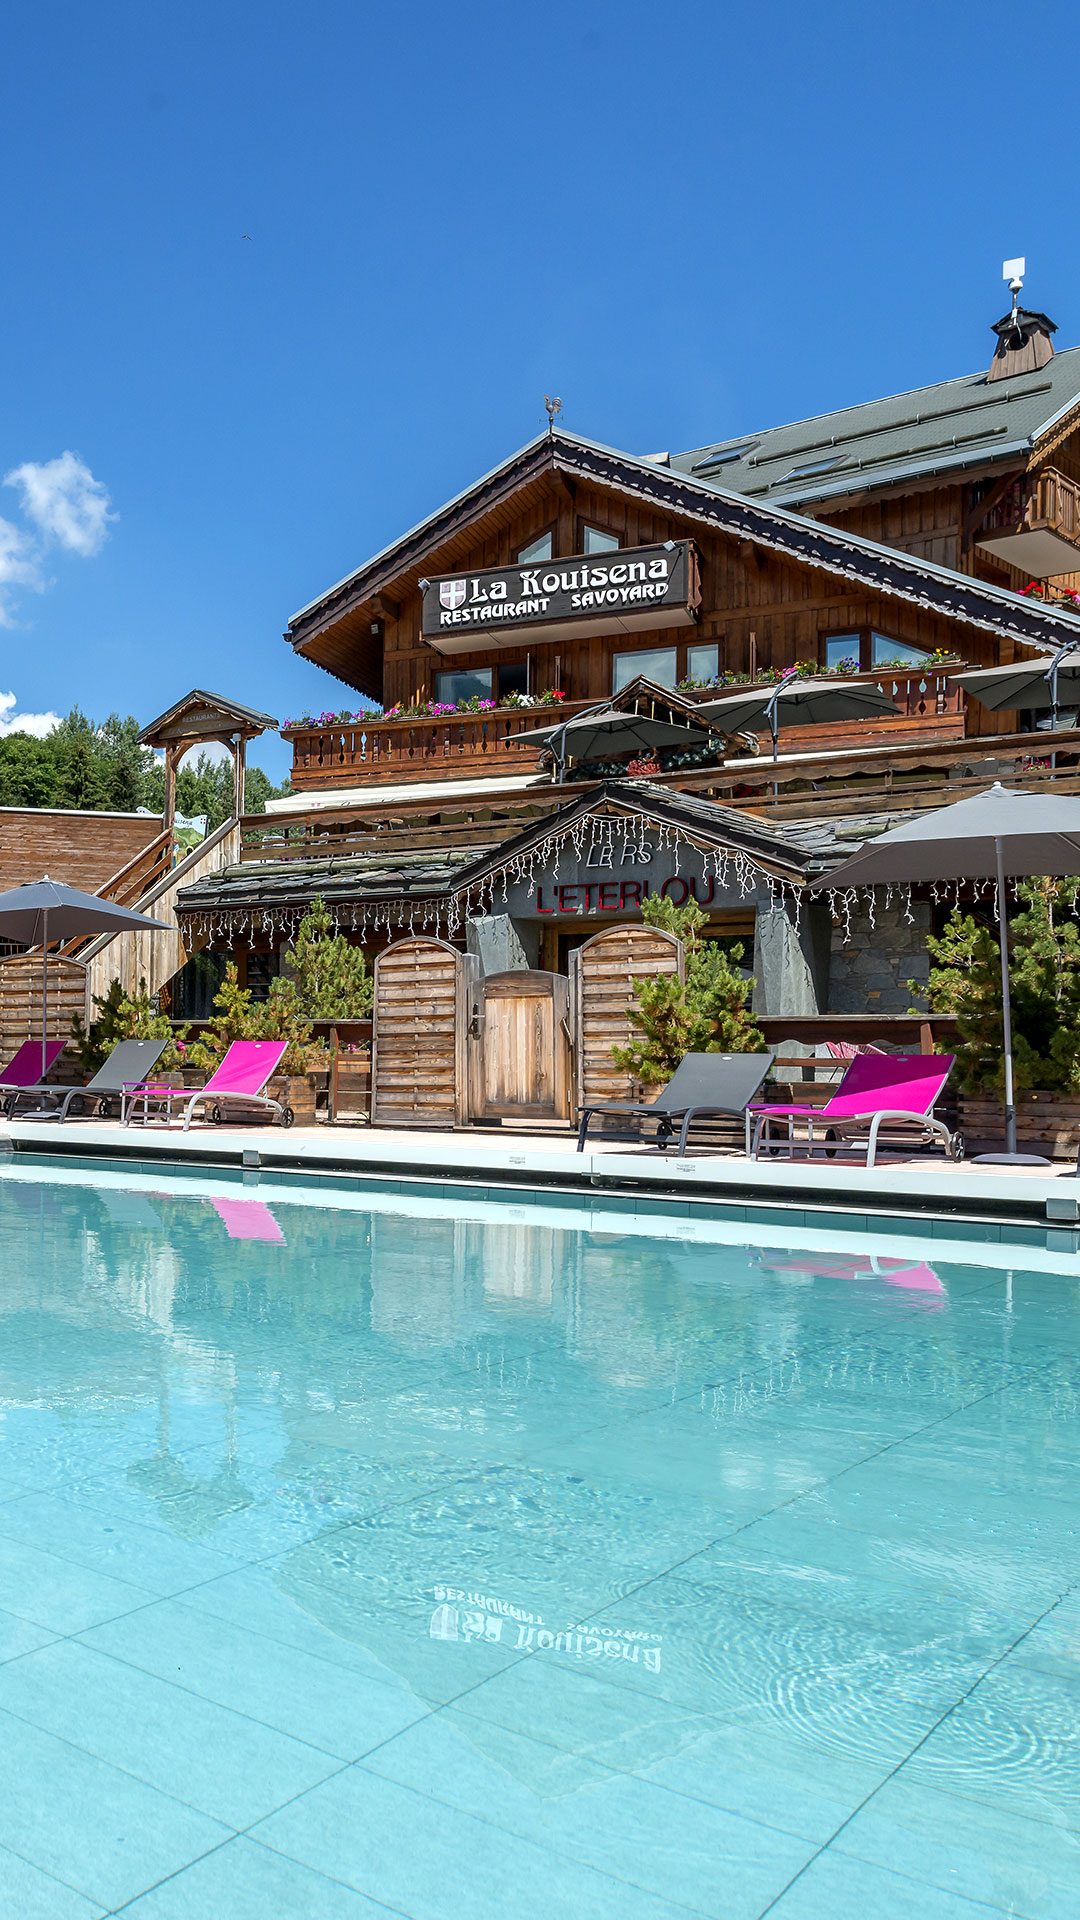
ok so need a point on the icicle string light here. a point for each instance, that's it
(619, 839)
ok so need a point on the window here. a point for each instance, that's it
(513, 678)
(656, 663)
(864, 651)
(702, 663)
(722, 457)
(595, 540)
(261, 969)
(843, 650)
(892, 653)
(542, 548)
(811, 467)
(452, 688)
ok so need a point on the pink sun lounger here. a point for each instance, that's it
(240, 1080)
(878, 1089)
(25, 1069)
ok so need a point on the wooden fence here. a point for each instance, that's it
(419, 1069)
(602, 975)
(20, 998)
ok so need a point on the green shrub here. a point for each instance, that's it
(706, 1013)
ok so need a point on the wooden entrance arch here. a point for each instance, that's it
(419, 1062)
(602, 975)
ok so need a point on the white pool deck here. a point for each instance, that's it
(521, 1163)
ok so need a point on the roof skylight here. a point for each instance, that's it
(813, 466)
(723, 457)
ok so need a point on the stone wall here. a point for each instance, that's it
(869, 971)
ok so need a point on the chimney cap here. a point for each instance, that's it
(1022, 322)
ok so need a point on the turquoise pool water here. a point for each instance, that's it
(475, 1565)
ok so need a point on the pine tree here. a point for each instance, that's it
(332, 976)
(239, 1017)
(1044, 990)
(81, 782)
(705, 1014)
(122, 1016)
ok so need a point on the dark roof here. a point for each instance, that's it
(430, 873)
(695, 498)
(205, 707)
(956, 424)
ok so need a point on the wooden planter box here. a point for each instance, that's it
(1047, 1123)
(305, 1093)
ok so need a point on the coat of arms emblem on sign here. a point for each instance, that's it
(451, 593)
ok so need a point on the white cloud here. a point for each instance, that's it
(39, 724)
(18, 565)
(64, 501)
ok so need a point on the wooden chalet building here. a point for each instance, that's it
(894, 541)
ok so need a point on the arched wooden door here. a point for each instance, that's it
(418, 1055)
(602, 975)
(520, 1038)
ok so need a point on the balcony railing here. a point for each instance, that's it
(466, 744)
(420, 749)
(1035, 525)
(1046, 500)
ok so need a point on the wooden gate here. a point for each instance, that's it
(602, 975)
(520, 1042)
(419, 1058)
(20, 998)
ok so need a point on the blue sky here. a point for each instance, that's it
(687, 220)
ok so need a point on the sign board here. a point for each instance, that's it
(618, 592)
(604, 883)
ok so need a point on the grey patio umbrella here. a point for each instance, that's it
(810, 702)
(993, 836)
(1042, 685)
(44, 910)
(612, 730)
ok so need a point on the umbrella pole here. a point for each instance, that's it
(1006, 1005)
(1010, 1157)
(775, 731)
(44, 987)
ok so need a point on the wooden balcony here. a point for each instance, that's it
(897, 775)
(374, 752)
(1035, 525)
(462, 746)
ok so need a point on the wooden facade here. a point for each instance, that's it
(87, 850)
(772, 596)
(759, 610)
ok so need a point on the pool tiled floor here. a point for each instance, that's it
(476, 1568)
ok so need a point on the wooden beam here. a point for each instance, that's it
(975, 516)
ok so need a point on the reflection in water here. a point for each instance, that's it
(881, 1268)
(696, 1473)
(248, 1220)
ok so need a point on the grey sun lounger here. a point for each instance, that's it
(129, 1062)
(704, 1086)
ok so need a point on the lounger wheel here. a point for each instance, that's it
(287, 1116)
(216, 1115)
(830, 1143)
(958, 1146)
(102, 1109)
(77, 1106)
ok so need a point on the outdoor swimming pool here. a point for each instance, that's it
(463, 1563)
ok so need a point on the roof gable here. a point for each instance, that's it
(695, 500)
(205, 716)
